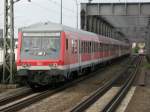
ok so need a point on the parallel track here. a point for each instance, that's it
(26, 101)
(82, 106)
(114, 103)
(17, 94)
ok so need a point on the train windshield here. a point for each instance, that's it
(40, 46)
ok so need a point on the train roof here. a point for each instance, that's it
(51, 27)
(55, 27)
(40, 27)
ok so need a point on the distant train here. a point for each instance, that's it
(50, 52)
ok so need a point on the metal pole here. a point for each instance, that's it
(12, 58)
(61, 13)
(9, 55)
(77, 12)
(8, 42)
(5, 34)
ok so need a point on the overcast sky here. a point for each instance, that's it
(27, 13)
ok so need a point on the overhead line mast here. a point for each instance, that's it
(9, 55)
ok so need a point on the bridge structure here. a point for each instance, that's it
(122, 21)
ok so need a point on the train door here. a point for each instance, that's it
(67, 51)
(92, 51)
(103, 52)
(74, 52)
(78, 51)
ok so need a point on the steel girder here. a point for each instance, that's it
(8, 61)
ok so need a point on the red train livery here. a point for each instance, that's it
(50, 52)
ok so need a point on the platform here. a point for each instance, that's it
(9, 86)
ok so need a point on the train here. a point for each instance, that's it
(50, 52)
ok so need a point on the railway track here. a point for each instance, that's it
(13, 95)
(16, 102)
(130, 70)
(21, 102)
(114, 103)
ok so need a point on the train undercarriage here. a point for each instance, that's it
(39, 78)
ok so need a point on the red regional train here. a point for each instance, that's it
(50, 52)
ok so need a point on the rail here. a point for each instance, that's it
(100, 91)
(114, 103)
(21, 103)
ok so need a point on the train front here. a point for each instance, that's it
(39, 57)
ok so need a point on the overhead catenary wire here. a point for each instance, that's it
(45, 9)
(52, 11)
(70, 13)
(65, 8)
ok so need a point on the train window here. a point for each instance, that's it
(90, 47)
(107, 47)
(40, 47)
(85, 47)
(94, 47)
(79, 46)
(97, 47)
(66, 44)
(74, 46)
(103, 47)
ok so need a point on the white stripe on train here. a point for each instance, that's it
(64, 67)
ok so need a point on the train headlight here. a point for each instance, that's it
(40, 53)
(55, 64)
(26, 65)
